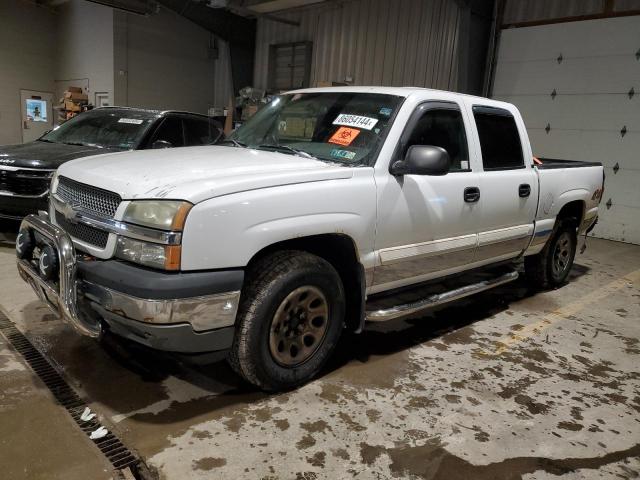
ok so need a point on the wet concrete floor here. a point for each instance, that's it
(505, 385)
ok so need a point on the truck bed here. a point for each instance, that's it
(551, 163)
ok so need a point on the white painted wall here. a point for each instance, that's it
(85, 46)
(592, 80)
(162, 61)
(27, 42)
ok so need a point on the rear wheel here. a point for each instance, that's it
(289, 321)
(550, 268)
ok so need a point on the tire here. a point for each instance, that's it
(551, 267)
(290, 318)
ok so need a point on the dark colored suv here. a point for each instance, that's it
(26, 169)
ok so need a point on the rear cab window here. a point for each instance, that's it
(500, 142)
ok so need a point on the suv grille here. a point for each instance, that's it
(25, 182)
(84, 233)
(91, 199)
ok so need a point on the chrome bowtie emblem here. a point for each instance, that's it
(70, 211)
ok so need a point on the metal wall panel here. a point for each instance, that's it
(626, 5)
(594, 101)
(518, 11)
(374, 42)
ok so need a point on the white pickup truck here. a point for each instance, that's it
(307, 222)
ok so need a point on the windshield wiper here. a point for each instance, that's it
(295, 151)
(78, 144)
(235, 142)
(45, 140)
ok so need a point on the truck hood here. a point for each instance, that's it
(197, 173)
(44, 155)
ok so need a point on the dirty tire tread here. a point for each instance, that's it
(259, 277)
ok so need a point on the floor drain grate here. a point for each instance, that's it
(110, 445)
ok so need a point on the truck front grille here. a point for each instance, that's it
(84, 233)
(26, 183)
(90, 199)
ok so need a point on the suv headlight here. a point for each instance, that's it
(167, 215)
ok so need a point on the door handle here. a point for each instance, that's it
(471, 194)
(524, 190)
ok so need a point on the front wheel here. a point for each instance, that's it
(289, 321)
(550, 268)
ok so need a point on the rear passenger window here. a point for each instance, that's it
(442, 128)
(200, 131)
(499, 139)
(170, 131)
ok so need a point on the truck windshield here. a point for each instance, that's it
(344, 127)
(107, 128)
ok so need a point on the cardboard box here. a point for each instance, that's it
(70, 106)
(74, 89)
(77, 97)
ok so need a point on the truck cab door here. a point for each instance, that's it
(508, 184)
(427, 225)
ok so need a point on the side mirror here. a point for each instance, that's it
(422, 160)
(161, 144)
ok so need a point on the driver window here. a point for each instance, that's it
(443, 128)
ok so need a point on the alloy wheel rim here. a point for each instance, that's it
(562, 255)
(298, 326)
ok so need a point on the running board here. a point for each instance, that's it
(398, 311)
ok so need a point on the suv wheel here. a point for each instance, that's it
(290, 319)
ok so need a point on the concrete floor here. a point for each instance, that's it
(506, 385)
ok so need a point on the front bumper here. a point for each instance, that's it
(176, 312)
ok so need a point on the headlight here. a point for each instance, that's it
(166, 257)
(162, 214)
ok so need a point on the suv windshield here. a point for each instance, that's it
(103, 128)
(343, 127)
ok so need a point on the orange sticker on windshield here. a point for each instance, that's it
(344, 136)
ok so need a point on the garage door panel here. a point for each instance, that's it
(582, 112)
(597, 70)
(620, 223)
(622, 188)
(595, 75)
(618, 36)
(606, 147)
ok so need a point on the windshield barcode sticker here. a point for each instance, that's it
(355, 121)
(134, 121)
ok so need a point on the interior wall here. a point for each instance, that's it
(372, 42)
(27, 43)
(85, 46)
(162, 61)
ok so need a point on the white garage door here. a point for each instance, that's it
(578, 87)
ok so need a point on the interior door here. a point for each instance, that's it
(37, 114)
(427, 225)
(508, 185)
